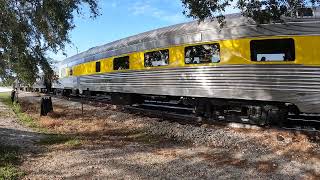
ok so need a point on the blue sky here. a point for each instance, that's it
(120, 19)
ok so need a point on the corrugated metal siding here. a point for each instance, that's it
(297, 84)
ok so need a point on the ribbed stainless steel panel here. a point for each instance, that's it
(67, 83)
(296, 84)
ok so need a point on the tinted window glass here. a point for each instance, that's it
(121, 63)
(98, 66)
(272, 50)
(302, 12)
(206, 53)
(156, 58)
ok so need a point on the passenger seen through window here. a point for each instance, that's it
(121, 63)
(272, 50)
(206, 53)
(156, 58)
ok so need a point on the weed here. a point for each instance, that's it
(9, 155)
(10, 172)
(60, 139)
(9, 158)
(73, 143)
(53, 139)
(24, 118)
(5, 98)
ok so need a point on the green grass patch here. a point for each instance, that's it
(145, 138)
(23, 117)
(54, 139)
(10, 172)
(9, 155)
(5, 98)
(9, 159)
(73, 143)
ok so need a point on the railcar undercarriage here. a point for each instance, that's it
(212, 109)
(262, 113)
(252, 112)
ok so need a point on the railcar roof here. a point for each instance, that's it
(236, 26)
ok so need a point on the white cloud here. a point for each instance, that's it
(146, 9)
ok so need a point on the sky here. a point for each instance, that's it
(120, 19)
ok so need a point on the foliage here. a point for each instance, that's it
(30, 28)
(262, 11)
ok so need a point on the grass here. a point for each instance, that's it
(73, 143)
(27, 120)
(53, 139)
(145, 138)
(24, 118)
(10, 156)
(9, 159)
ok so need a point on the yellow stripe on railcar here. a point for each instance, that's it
(234, 51)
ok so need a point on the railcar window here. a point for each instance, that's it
(121, 63)
(63, 73)
(156, 58)
(206, 53)
(305, 12)
(98, 66)
(272, 50)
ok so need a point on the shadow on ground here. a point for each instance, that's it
(111, 152)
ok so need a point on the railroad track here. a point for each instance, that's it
(184, 115)
(303, 122)
(306, 123)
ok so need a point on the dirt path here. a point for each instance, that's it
(14, 134)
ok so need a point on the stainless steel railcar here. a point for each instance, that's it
(265, 70)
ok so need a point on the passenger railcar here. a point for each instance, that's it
(37, 86)
(262, 71)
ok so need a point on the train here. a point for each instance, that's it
(258, 72)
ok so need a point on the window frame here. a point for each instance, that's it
(71, 72)
(207, 43)
(98, 67)
(117, 58)
(156, 50)
(254, 56)
(63, 72)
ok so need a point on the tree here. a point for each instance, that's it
(30, 28)
(262, 11)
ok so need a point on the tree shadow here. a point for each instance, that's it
(134, 154)
(19, 138)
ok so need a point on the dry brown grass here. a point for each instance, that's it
(55, 115)
(29, 107)
(100, 123)
(312, 175)
(266, 166)
(50, 123)
(96, 125)
(172, 153)
(293, 145)
(64, 119)
(224, 159)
